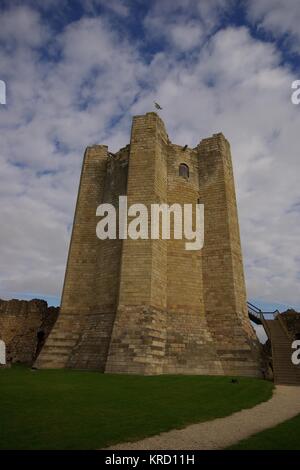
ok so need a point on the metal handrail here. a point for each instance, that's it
(258, 310)
(253, 307)
(259, 314)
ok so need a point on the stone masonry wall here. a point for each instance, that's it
(81, 336)
(224, 285)
(24, 327)
(138, 335)
(189, 345)
(78, 298)
(151, 306)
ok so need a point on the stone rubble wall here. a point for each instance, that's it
(24, 327)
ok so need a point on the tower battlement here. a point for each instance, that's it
(150, 306)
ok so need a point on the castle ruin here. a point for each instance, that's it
(24, 327)
(151, 306)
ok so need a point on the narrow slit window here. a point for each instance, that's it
(184, 170)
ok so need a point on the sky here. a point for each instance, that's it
(77, 71)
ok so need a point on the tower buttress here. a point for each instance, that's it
(223, 275)
(138, 338)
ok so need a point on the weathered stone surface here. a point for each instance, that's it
(24, 327)
(151, 306)
(290, 319)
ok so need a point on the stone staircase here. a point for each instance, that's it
(60, 343)
(285, 372)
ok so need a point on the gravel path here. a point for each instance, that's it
(223, 432)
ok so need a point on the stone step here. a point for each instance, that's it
(284, 371)
(54, 350)
(61, 349)
(50, 361)
(64, 336)
(60, 342)
(50, 353)
(51, 365)
(286, 382)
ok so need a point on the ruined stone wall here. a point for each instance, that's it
(290, 320)
(24, 327)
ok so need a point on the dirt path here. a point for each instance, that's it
(223, 432)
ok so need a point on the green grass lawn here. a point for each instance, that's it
(63, 409)
(284, 436)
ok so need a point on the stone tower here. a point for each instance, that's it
(151, 306)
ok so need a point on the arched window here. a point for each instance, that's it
(184, 170)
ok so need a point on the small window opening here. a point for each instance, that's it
(184, 170)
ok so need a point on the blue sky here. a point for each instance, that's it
(76, 73)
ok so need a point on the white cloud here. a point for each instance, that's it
(44, 129)
(186, 36)
(278, 17)
(22, 26)
(233, 83)
(184, 24)
(183, 35)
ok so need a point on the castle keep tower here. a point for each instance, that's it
(151, 306)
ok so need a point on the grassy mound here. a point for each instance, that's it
(63, 409)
